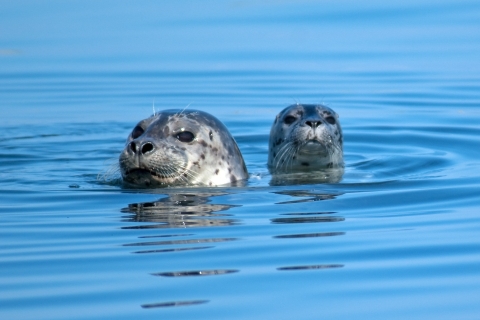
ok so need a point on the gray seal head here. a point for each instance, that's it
(305, 137)
(181, 148)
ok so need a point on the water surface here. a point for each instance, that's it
(396, 238)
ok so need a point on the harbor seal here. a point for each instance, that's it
(181, 148)
(305, 137)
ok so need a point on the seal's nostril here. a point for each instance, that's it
(147, 147)
(133, 147)
(313, 124)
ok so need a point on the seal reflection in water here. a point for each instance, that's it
(181, 148)
(306, 138)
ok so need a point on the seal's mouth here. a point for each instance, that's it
(142, 173)
(313, 147)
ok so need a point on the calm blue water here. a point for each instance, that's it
(397, 238)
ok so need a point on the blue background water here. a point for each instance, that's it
(396, 238)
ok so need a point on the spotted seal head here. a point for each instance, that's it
(305, 137)
(181, 148)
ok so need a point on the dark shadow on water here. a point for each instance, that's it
(189, 241)
(312, 177)
(311, 267)
(173, 250)
(308, 195)
(310, 235)
(307, 220)
(306, 213)
(173, 304)
(179, 242)
(195, 273)
(167, 235)
(179, 210)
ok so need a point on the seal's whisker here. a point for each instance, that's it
(181, 111)
(290, 155)
(111, 173)
(293, 153)
(281, 154)
(191, 174)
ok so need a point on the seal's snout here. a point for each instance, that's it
(313, 123)
(141, 148)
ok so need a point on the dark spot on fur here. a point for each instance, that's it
(203, 143)
(279, 141)
(233, 178)
(229, 170)
(210, 183)
(185, 175)
(223, 157)
(211, 135)
(305, 164)
(215, 150)
(219, 163)
(216, 171)
(202, 156)
(330, 165)
(274, 154)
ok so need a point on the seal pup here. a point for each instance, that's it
(305, 137)
(181, 148)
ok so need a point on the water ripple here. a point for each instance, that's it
(190, 241)
(180, 210)
(173, 250)
(307, 220)
(195, 273)
(173, 304)
(311, 267)
(310, 235)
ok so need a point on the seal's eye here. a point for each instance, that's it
(331, 120)
(137, 132)
(289, 119)
(185, 136)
